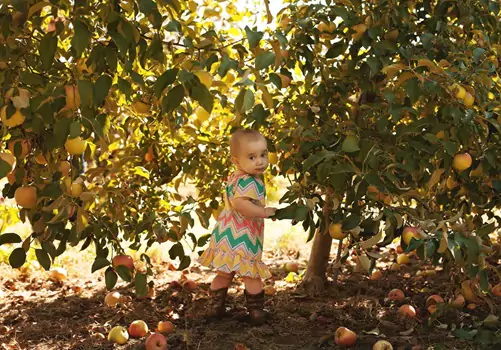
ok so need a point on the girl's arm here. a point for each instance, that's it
(249, 209)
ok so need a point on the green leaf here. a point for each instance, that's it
(101, 89)
(336, 49)
(147, 6)
(17, 258)
(125, 87)
(301, 213)
(464, 334)
(75, 129)
(351, 222)
(485, 230)
(48, 47)
(43, 258)
(412, 89)
(49, 247)
(484, 281)
(202, 241)
(9, 238)
(248, 100)
(316, 158)
(173, 99)
(110, 278)
(450, 147)
(477, 54)
(375, 64)
(350, 144)
(53, 191)
(287, 213)
(140, 284)
(86, 92)
(253, 37)
(139, 170)
(5, 168)
(111, 59)
(124, 273)
(226, 64)
(264, 60)
(99, 263)
(203, 96)
(275, 79)
(185, 262)
(176, 251)
(163, 81)
(81, 39)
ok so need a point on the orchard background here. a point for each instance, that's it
(383, 120)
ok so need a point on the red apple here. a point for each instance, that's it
(156, 341)
(432, 309)
(291, 267)
(434, 300)
(458, 303)
(345, 337)
(138, 329)
(382, 345)
(112, 298)
(407, 311)
(408, 233)
(396, 295)
(125, 260)
(165, 327)
(189, 285)
(496, 291)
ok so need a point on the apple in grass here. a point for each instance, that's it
(382, 345)
(156, 341)
(396, 295)
(125, 260)
(345, 337)
(291, 267)
(138, 329)
(407, 311)
(112, 298)
(118, 335)
(165, 327)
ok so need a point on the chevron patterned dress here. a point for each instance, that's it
(236, 244)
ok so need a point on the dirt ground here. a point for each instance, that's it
(37, 313)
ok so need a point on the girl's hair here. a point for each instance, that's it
(240, 135)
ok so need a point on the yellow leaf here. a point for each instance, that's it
(37, 7)
(268, 100)
(443, 242)
(435, 178)
(82, 220)
(393, 69)
(423, 62)
(278, 52)
(404, 77)
(269, 17)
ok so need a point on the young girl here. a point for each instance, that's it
(236, 244)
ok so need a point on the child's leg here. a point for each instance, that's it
(254, 300)
(222, 280)
(253, 285)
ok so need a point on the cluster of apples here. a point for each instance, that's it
(139, 329)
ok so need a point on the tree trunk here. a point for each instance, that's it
(315, 278)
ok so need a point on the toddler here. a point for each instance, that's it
(236, 244)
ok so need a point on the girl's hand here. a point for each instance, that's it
(269, 211)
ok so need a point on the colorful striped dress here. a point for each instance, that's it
(236, 244)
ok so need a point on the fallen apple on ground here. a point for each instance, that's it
(434, 300)
(156, 341)
(382, 345)
(458, 302)
(165, 327)
(396, 295)
(407, 311)
(118, 335)
(112, 298)
(138, 329)
(345, 337)
(291, 267)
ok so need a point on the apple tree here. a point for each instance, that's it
(392, 120)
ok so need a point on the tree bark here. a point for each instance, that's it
(315, 278)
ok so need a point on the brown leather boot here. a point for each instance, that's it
(217, 303)
(255, 307)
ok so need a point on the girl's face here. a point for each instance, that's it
(253, 156)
